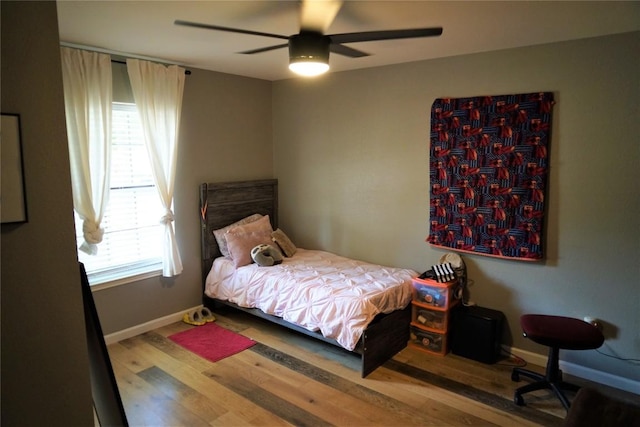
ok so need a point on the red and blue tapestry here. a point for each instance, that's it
(489, 161)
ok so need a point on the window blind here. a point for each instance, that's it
(132, 242)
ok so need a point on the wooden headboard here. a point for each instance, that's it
(224, 203)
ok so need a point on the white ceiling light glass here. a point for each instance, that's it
(309, 68)
(309, 54)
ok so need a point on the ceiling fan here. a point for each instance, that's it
(309, 49)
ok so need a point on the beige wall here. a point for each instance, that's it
(45, 370)
(351, 156)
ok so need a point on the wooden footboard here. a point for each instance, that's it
(384, 338)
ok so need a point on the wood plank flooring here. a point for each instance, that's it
(288, 379)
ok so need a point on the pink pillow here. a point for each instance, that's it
(240, 245)
(241, 239)
(220, 234)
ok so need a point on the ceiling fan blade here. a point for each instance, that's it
(231, 30)
(341, 49)
(367, 36)
(264, 49)
(317, 15)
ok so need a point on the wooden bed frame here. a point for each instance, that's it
(224, 203)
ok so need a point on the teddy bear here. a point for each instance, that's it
(266, 255)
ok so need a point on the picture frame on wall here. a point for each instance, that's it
(13, 201)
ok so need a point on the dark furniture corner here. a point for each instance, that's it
(593, 408)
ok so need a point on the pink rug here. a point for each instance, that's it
(212, 342)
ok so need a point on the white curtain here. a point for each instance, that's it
(87, 98)
(157, 90)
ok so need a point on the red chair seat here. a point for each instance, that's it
(562, 332)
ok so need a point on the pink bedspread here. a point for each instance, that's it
(317, 290)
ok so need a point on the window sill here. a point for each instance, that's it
(102, 281)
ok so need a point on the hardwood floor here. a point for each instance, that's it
(290, 379)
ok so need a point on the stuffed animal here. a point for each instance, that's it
(266, 255)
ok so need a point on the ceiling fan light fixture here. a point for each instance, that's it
(309, 68)
(309, 54)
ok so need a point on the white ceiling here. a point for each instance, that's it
(146, 28)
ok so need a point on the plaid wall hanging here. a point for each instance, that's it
(489, 160)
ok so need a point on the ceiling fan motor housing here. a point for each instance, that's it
(309, 47)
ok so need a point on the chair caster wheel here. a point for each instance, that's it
(515, 376)
(518, 400)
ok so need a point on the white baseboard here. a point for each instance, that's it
(146, 327)
(580, 371)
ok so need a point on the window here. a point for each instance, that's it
(132, 241)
